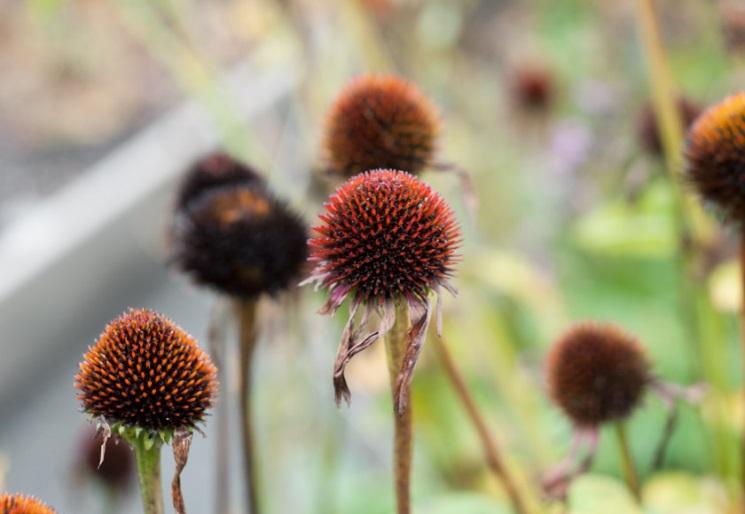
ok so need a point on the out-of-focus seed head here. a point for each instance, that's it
(214, 170)
(649, 132)
(380, 122)
(597, 373)
(146, 372)
(117, 469)
(715, 155)
(22, 504)
(533, 88)
(384, 234)
(241, 241)
(733, 25)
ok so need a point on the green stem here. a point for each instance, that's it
(627, 461)
(402, 439)
(148, 470)
(247, 333)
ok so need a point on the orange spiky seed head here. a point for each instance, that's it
(380, 122)
(22, 504)
(146, 372)
(715, 155)
(212, 171)
(240, 240)
(384, 234)
(649, 132)
(597, 373)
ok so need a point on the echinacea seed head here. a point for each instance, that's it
(597, 373)
(380, 122)
(649, 132)
(715, 156)
(240, 240)
(384, 235)
(145, 372)
(22, 504)
(211, 171)
(533, 87)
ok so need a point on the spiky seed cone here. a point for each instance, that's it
(118, 468)
(533, 88)
(241, 241)
(597, 373)
(715, 155)
(214, 170)
(22, 504)
(146, 372)
(649, 133)
(385, 234)
(380, 122)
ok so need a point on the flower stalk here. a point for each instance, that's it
(246, 311)
(627, 461)
(396, 345)
(147, 454)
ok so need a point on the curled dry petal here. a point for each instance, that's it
(181, 444)
(420, 313)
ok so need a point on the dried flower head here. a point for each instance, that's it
(240, 240)
(214, 170)
(597, 373)
(649, 133)
(733, 25)
(533, 87)
(380, 122)
(22, 504)
(385, 237)
(146, 372)
(116, 471)
(715, 154)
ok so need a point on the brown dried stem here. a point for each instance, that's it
(246, 310)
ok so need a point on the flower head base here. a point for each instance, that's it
(21, 504)
(597, 373)
(215, 170)
(380, 122)
(240, 240)
(146, 373)
(715, 155)
(385, 237)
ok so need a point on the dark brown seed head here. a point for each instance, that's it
(146, 372)
(384, 234)
(117, 469)
(533, 87)
(597, 373)
(240, 240)
(715, 154)
(215, 170)
(380, 122)
(733, 25)
(22, 504)
(649, 133)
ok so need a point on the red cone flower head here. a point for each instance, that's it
(21, 504)
(380, 122)
(597, 373)
(146, 372)
(385, 237)
(715, 156)
(533, 87)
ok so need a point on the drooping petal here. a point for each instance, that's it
(419, 313)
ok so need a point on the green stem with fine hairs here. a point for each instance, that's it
(395, 344)
(148, 471)
(627, 461)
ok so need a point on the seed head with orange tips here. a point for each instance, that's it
(380, 122)
(22, 504)
(145, 372)
(715, 155)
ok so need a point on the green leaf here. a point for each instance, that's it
(595, 494)
(681, 493)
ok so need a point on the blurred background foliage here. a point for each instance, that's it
(576, 218)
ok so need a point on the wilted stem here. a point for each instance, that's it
(216, 343)
(402, 442)
(627, 462)
(493, 457)
(742, 339)
(247, 335)
(148, 471)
